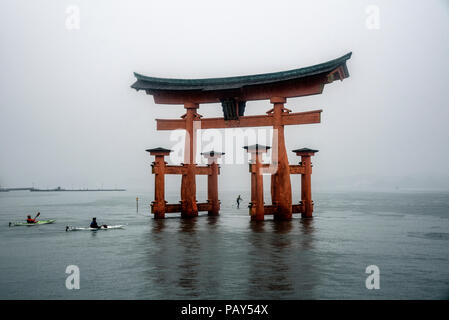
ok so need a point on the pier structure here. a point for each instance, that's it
(233, 93)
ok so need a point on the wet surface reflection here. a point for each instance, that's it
(278, 258)
(188, 264)
(207, 256)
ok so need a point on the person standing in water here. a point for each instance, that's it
(238, 201)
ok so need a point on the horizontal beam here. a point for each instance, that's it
(174, 169)
(298, 208)
(204, 206)
(172, 208)
(199, 170)
(176, 207)
(266, 168)
(307, 117)
(271, 209)
(297, 169)
(167, 124)
(203, 170)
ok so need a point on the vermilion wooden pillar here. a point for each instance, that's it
(212, 181)
(306, 180)
(158, 168)
(256, 209)
(281, 189)
(188, 184)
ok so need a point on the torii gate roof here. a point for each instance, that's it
(244, 88)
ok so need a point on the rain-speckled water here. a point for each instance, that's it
(405, 234)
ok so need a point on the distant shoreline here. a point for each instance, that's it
(58, 189)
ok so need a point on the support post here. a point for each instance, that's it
(212, 181)
(188, 184)
(158, 168)
(281, 189)
(306, 181)
(256, 208)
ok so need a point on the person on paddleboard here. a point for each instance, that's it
(239, 198)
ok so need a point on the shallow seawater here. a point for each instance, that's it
(227, 257)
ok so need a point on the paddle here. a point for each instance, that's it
(37, 215)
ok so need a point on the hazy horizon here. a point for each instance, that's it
(69, 117)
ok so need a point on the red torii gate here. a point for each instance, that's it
(233, 93)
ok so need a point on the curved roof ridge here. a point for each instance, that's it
(148, 83)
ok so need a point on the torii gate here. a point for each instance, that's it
(233, 93)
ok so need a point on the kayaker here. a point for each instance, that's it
(30, 220)
(238, 201)
(94, 224)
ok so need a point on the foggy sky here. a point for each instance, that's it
(68, 116)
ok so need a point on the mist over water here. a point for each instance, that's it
(226, 257)
(69, 118)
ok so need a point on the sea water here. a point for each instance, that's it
(404, 234)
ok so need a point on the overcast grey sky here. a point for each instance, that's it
(69, 117)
